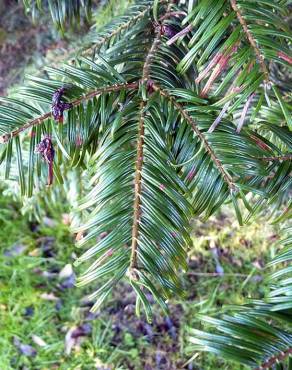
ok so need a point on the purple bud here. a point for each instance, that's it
(58, 95)
(149, 86)
(168, 31)
(59, 106)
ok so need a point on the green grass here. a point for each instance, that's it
(119, 340)
(21, 288)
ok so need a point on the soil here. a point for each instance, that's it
(22, 42)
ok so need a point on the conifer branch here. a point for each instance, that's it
(71, 53)
(137, 197)
(37, 121)
(155, 44)
(287, 157)
(139, 163)
(104, 90)
(226, 176)
(150, 56)
(115, 32)
(251, 39)
(275, 359)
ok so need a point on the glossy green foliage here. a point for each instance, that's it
(169, 121)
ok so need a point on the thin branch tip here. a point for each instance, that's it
(37, 121)
(137, 190)
(275, 359)
(285, 157)
(250, 39)
(226, 176)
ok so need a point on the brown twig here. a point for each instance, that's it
(150, 56)
(274, 359)
(286, 157)
(139, 162)
(72, 52)
(251, 40)
(228, 179)
(37, 121)
(155, 44)
(125, 25)
(139, 159)
(137, 197)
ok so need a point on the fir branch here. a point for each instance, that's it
(115, 32)
(226, 176)
(137, 197)
(275, 359)
(139, 162)
(286, 157)
(71, 53)
(104, 90)
(155, 44)
(37, 121)
(156, 201)
(150, 56)
(251, 39)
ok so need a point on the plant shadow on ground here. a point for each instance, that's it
(45, 320)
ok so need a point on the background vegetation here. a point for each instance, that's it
(38, 299)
